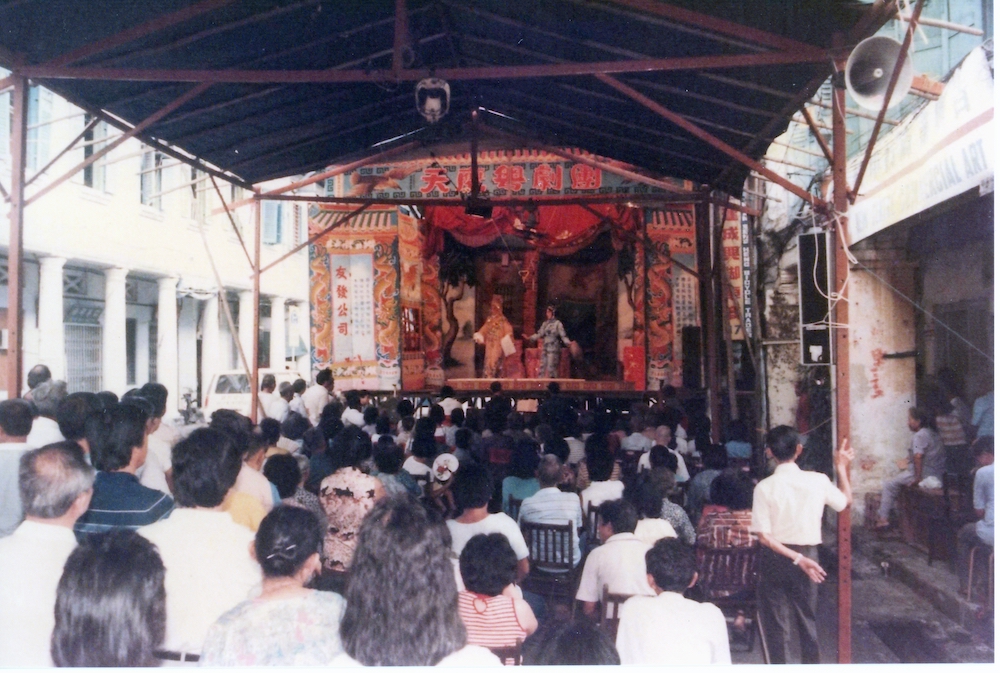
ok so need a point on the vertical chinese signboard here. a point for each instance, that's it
(736, 265)
(353, 309)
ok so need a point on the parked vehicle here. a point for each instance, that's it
(231, 389)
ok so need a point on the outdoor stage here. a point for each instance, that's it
(540, 385)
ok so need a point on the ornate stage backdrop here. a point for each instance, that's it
(377, 296)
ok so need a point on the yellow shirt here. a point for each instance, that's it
(245, 509)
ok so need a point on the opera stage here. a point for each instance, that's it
(541, 385)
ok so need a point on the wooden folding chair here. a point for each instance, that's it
(728, 579)
(513, 507)
(510, 655)
(550, 547)
(611, 611)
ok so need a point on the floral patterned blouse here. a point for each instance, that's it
(299, 631)
(347, 496)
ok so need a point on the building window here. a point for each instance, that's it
(198, 197)
(151, 179)
(270, 218)
(40, 103)
(95, 175)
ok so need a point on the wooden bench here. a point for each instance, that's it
(927, 520)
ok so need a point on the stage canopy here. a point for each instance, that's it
(255, 89)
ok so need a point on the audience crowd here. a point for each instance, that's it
(346, 530)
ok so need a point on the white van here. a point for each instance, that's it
(231, 390)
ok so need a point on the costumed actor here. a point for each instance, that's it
(553, 336)
(494, 331)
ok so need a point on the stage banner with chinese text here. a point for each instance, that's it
(733, 266)
(353, 311)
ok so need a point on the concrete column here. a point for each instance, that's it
(278, 339)
(52, 337)
(245, 327)
(113, 356)
(210, 351)
(166, 337)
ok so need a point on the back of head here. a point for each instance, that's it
(600, 465)
(471, 487)
(649, 500)
(388, 455)
(732, 489)
(515, 421)
(111, 603)
(716, 458)
(287, 537)
(672, 564)
(619, 514)
(524, 462)
(270, 431)
(329, 420)
(496, 387)
(382, 425)
(299, 386)
(370, 414)
(294, 426)
(351, 447)
(559, 448)
(660, 456)
(408, 423)
(38, 374)
(127, 432)
(47, 396)
(352, 398)
(16, 417)
(401, 552)
(72, 413)
(424, 428)
(404, 408)
(457, 417)
(324, 377)
(550, 471)
(570, 643)
(436, 414)
(205, 468)
(268, 382)
(424, 447)
(463, 439)
(51, 478)
(283, 471)
(234, 424)
(782, 440)
(156, 393)
(447, 391)
(488, 564)
(107, 398)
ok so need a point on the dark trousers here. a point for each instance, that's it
(785, 593)
(967, 540)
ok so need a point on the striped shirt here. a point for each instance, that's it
(120, 501)
(950, 430)
(550, 505)
(491, 621)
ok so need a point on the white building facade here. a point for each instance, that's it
(118, 285)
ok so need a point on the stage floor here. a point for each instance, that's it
(540, 385)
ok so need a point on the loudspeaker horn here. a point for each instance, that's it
(869, 69)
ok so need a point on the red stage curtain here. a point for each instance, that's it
(560, 229)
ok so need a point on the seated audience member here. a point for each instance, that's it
(522, 482)
(726, 521)
(448, 402)
(979, 532)
(157, 472)
(664, 436)
(72, 415)
(285, 473)
(472, 490)
(620, 561)
(389, 469)
(45, 428)
(600, 465)
(245, 502)
(550, 505)
(637, 441)
(120, 501)
(595, 443)
(346, 496)
(110, 604)
(370, 416)
(315, 441)
(463, 445)
(352, 413)
(715, 460)
(287, 624)
(55, 485)
(669, 627)
(926, 458)
(574, 643)
(269, 431)
(250, 480)
(678, 518)
(402, 552)
(383, 428)
(15, 424)
(205, 553)
(404, 436)
(292, 429)
(662, 469)
(455, 422)
(649, 503)
(494, 613)
(424, 451)
(738, 441)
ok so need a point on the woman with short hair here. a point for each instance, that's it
(287, 624)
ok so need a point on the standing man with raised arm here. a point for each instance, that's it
(553, 336)
(788, 516)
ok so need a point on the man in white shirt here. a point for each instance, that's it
(668, 627)
(600, 465)
(295, 404)
(266, 395)
(352, 414)
(317, 396)
(158, 470)
(206, 554)
(278, 406)
(787, 516)
(55, 485)
(550, 505)
(637, 441)
(15, 423)
(45, 429)
(448, 401)
(620, 562)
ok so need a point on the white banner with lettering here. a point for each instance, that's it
(943, 150)
(353, 282)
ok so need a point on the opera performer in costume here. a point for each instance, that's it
(496, 333)
(553, 336)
